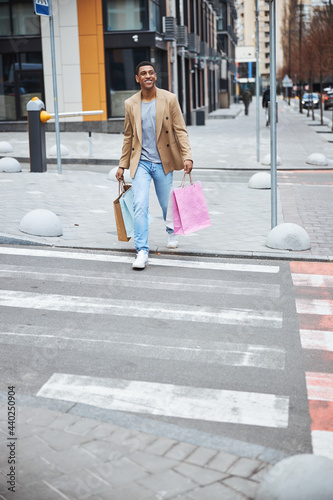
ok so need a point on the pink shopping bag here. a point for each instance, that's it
(190, 212)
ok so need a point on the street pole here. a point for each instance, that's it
(300, 56)
(273, 113)
(257, 81)
(55, 92)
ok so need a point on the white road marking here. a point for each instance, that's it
(160, 283)
(224, 266)
(322, 443)
(317, 339)
(140, 309)
(314, 306)
(314, 280)
(214, 405)
(319, 386)
(222, 353)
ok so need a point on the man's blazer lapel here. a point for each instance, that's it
(136, 109)
(160, 111)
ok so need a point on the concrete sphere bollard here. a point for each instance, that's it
(306, 477)
(41, 222)
(260, 180)
(317, 159)
(112, 176)
(5, 147)
(267, 160)
(288, 236)
(64, 151)
(10, 165)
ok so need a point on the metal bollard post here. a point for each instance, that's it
(36, 131)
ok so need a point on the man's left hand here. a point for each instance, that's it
(188, 165)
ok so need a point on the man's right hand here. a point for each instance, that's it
(120, 174)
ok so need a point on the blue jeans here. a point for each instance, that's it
(147, 171)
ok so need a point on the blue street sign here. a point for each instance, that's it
(42, 7)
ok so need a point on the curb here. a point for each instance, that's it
(230, 254)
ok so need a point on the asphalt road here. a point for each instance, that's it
(209, 345)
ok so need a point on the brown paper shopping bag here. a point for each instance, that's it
(121, 231)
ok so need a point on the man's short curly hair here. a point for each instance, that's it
(144, 63)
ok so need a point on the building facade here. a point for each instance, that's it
(98, 44)
(246, 48)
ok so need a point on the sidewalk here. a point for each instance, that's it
(82, 195)
(62, 453)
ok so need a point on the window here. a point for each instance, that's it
(125, 15)
(18, 18)
(121, 64)
(155, 16)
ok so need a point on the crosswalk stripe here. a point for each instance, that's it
(313, 306)
(320, 386)
(195, 264)
(314, 280)
(317, 339)
(214, 405)
(316, 321)
(222, 353)
(160, 283)
(322, 443)
(142, 309)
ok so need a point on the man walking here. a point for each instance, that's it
(266, 97)
(155, 143)
(247, 98)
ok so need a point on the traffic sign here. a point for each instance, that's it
(286, 82)
(42, 7)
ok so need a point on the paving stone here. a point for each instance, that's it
(168, 484)
(126, 492)
(37, 491)
(82, 426)
(201, 456)
(160, 446)
(32, 446)
(60, 440)
(259, 476)
(103, 431)
(33, 470)
(80, 485)
(152, 463)
(222, 461)
(63, 421)
(106, 451)
(44, 417)
(244, 467)
(25, 414)
(215, 491)
(200, 475)
(124, 471)
(26, 430)
(70, 460)
(245, 486)
(180, 451)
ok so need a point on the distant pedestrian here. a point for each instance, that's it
(266, 97)
(247, 98)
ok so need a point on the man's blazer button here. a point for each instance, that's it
(167, 118)
(167, 145)
(132, 149)
(167, 131)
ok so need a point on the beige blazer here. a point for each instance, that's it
(171, 135)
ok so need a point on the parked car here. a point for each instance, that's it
(328, 99)
(309, 99)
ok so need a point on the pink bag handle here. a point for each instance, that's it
(184, 180)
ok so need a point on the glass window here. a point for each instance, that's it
(4, 20)
(155, 15)
(121, 71)
(124, 15)
(25, 22)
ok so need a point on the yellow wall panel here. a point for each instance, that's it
(92, 61)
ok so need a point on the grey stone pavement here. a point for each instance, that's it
(69, 453)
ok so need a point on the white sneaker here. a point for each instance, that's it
(141, 260)
(172, 241)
